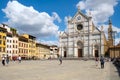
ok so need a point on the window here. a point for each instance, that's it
(4, 42)
(7, 46)
(22, 44)
(19, 50)
(19, 44)
(13, 41)
(7, 40)
(0, 49)
(0, 41)
(3, 49)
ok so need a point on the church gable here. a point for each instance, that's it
(79, 17)
(80, 23)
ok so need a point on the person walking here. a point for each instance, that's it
(102, 62)
(19, 59)
(7, 59)
(96, 61)
(3, 61)
(59, 58)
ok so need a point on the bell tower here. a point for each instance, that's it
(110, 31)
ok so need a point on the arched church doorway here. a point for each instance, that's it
(96, 51)
(65, 52)
(80, 49)
(65, 55)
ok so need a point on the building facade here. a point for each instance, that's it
(11, 42)
(3, 32)
(81, 38)
(43, 51)
(54, 51)
(23, 47)
(31, 45)
(13, 45)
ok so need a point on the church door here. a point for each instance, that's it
(65, 55)
(80, 53)
(96, 53)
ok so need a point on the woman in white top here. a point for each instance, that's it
(3, 61)
(19, 59)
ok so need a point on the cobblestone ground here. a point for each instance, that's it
(51, 70)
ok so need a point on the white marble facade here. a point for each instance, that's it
(81, 38)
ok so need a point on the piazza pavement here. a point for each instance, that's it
(51, 70)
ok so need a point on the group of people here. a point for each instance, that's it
(5, 60)
(102, 61)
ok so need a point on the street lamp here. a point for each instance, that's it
(100, 43)
(88, 38)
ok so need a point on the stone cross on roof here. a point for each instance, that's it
(78, 7)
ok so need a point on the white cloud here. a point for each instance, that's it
(101, 10)
(81, 4)
(56, 17)
(28, 20)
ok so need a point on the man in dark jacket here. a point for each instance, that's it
(102, 62)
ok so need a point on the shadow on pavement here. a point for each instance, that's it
(116, 63)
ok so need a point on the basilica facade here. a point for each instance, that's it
(81, 38)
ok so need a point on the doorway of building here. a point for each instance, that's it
(80, 48)
(96, 53)
(80, 54)
(65, 54)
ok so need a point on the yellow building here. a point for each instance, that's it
(2, 41)
(43, 51)
(23, 47)
(31, 45)
(114, 51)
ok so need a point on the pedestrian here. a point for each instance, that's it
(59, 58)
(19, 59)
(7, 59)
(3, 61)
(102, 62)
(96, 61)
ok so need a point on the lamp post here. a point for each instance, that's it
(88, 38)
(100, 43)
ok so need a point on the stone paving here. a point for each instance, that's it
(51, 70)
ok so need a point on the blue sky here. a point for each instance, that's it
(45, 18)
